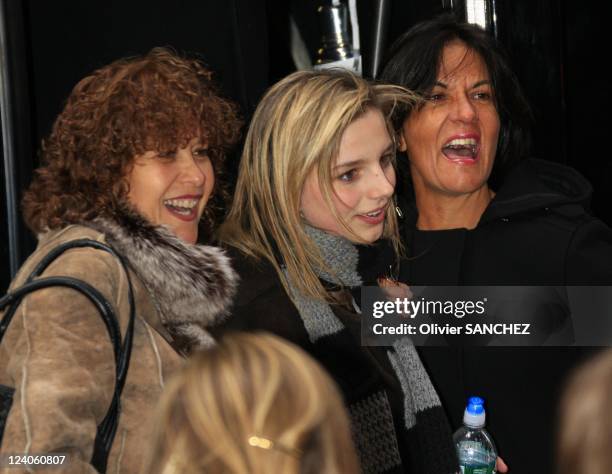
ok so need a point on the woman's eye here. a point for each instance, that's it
(166, 155)
(201, 153)
(435, 97)
(483, 96)
(348, 176)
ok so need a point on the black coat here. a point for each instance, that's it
(263, 305)
(536, 231)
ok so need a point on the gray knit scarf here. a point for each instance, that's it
(342, 257)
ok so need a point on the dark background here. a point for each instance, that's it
(556, 47)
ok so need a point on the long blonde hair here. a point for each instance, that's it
(585, 436)
(296, 128)
(253, 404)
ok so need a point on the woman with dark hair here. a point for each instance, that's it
(477, 212)
(130, 162)
(422, 47)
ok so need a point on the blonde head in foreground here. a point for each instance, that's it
(253, 404)
(296, 131)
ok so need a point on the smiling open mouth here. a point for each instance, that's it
(461, 149)
(374, 217)
(182, 207)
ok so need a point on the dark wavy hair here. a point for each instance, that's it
(413, 62)
(159, 101)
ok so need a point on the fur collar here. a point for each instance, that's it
(192, 285)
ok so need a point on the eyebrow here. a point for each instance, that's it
(352, 163)
(474, 86)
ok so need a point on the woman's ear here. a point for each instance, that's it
(402, 142)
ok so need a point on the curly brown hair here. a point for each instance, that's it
(159, 101)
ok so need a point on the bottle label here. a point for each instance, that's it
(478, 470)
(474, 458)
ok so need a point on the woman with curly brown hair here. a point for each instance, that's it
(131, 162)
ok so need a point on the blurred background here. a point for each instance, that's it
(555, 46)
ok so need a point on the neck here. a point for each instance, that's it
(438, 212)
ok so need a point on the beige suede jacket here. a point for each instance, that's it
(58, 356)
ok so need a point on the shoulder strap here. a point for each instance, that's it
(122, 351)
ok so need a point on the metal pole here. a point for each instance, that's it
(381, 21)
(493, 10)
(8, 146)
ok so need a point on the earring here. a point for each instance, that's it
(399, 212)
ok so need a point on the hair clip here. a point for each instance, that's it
(265, 443)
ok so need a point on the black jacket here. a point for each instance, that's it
(362, 373)
(536, 231)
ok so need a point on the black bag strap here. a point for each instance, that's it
(105, 433)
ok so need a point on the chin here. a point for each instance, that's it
(372, 236)
(188, 236)
(459, 187)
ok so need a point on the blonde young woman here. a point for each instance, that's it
(253, 404)
(312, 221)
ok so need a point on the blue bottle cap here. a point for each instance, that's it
(475, 405)
(474, 415)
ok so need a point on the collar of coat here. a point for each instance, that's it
(193, 285)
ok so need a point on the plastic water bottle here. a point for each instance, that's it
(475, 448)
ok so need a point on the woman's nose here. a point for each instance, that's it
(382, 185)
(191, 170)
(464, 109)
